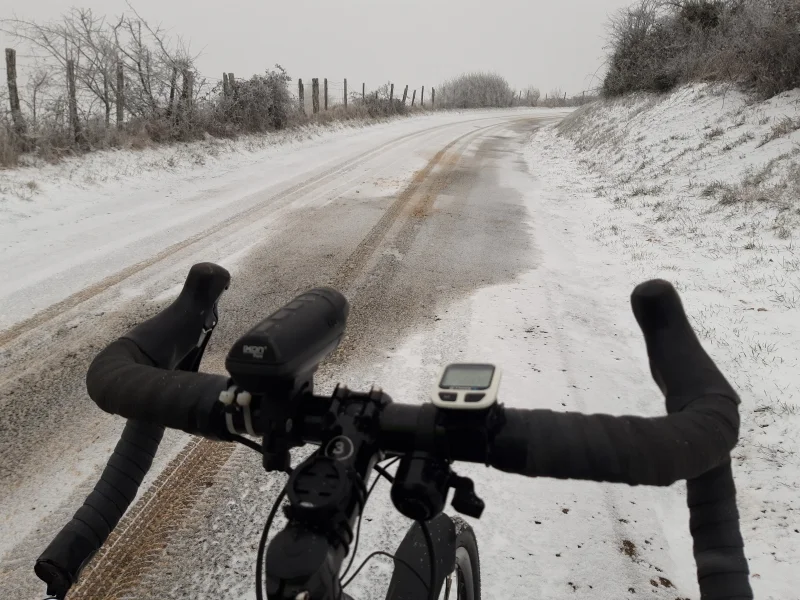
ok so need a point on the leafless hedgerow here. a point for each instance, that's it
(98, 82)
(557, 98)
(657, 44)
(487, 90)
(475, 90)
(378, 103)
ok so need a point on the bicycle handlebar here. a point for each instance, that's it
(122, 382)
(174, 339)
(692, 442)
(689, 378)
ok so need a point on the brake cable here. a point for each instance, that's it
(262, 544)
(382, 472)
(425, 531)
(387, 554)
(240, 439)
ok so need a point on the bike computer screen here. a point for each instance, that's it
(473, 377)
(464, 386)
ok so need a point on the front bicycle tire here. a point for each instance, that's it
(455, 551)
(465, 580)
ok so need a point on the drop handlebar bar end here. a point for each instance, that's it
(678, 363)
(687, 375)
(174, 338)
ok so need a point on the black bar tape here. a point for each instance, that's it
(722, 569)
(697, 435)
(633, 450)
(692, 442)
(61, 562)
(680, 366)
(685, 372)
(122, 381)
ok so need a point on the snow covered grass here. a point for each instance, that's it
(707, 145)
(40, 185)
(700, 187)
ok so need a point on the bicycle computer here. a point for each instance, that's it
(467, 386)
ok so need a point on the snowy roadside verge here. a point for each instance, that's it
(655, 184)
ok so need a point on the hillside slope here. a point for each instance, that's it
(700, 187)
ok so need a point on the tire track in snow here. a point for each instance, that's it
(12, 333)
(49, 362)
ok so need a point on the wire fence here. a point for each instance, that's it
(334, 93)
(76, 102)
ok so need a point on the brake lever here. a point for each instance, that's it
(177, 336)
(191, 362)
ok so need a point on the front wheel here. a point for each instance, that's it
(464, 583)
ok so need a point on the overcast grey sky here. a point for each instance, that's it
(556, 43)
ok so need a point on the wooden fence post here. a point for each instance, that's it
(363, 92)
(121, 94)
(183, 101)
(315, 94)
(405, 95)
(13, 93)
(301, 94)
(433, 98)
(326, 93)
(173, 87)
(422, 97)
(345, 94)
(391, 97)
(413, 97)
(74, 122)
(232, 86)
(191, 91)
(225, 89)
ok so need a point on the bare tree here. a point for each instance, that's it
(79, 37)
(631, 24)
(97, 56)
(88, 65)
(37, 85)
(155, 60)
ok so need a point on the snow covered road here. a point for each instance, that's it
(344, 210)
(455, 237)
